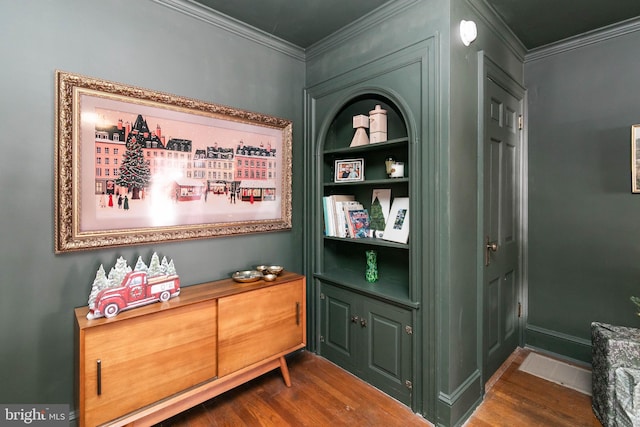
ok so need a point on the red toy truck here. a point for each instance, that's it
(135, 290)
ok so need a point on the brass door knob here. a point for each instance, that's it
(489, 247)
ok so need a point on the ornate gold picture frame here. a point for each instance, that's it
(135, 166)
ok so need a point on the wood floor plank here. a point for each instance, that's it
(322, 394)
(519, 398)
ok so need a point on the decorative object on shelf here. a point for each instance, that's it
(268, 273)
(359, 224)
(270, 269)
(388, 164)
(125, 288)
(397, 170)
(101, 124)
(349, 170)
(343, 211)
(377, 125)
(247, 276)
(379, 210)
(334, 208)
(360, 123)
(397, 228)
(371, 274)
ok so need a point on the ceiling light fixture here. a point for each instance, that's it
(468, 32)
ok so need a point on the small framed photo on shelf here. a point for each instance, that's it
(397, 227)
(349, 170)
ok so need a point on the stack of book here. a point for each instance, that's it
(345, 217)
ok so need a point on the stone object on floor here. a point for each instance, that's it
(612, 347)
(627, 402)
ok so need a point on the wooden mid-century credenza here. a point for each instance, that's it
(150, 363)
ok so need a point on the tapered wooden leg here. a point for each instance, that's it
(285, 371)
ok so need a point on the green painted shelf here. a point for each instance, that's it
(391, 290)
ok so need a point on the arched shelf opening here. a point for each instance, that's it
(340, 130)
(340, 257)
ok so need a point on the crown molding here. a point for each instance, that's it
(497, 26)
(366, 22)
(234, 26)
(591, 37)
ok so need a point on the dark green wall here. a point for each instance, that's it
(584, 231)
(140, 43)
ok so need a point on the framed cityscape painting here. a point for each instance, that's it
(135, 166)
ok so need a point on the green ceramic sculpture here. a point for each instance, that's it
(371, 274)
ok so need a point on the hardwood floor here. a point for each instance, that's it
(323, 394)
(516, 398)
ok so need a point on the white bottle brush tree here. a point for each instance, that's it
(117, 273)
(99, 283)
(155, 268)
(140, 265)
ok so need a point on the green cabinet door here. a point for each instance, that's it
(338, 326)
(368, 337)
(387, 334)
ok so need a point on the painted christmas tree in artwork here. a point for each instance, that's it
(377, 217)
(134, 172)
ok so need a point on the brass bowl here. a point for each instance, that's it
(275, 269)
(262, 268)
(269, 277)
(246, 276)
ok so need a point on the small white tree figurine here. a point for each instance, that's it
(140, 265)
(99, 283)
(171, 269)
(155, 269)
(118, 272)
(164, 266)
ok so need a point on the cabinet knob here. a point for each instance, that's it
(363, 323)
(354, 319)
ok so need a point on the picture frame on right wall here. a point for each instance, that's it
(635, 158)
(397, 227)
